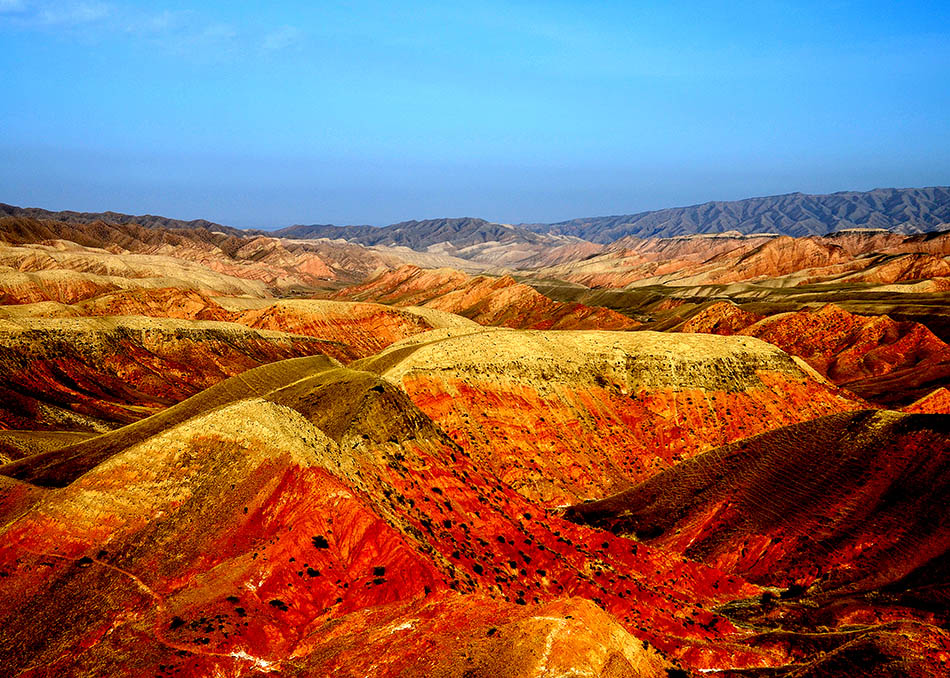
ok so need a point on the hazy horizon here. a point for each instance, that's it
(274, 227)
(367, 113)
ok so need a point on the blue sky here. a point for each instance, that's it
(268, 114)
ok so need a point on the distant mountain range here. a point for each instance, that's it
(147, 220)
(418, 235)
(903, 210)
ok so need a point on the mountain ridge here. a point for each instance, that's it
(903, 210)
(110, 217)
(794, 214)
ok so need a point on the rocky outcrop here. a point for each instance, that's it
(366, 328)
(878, 358)
(721, 317)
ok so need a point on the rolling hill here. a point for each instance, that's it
(495, 301)
(227, 453)
(563, 416)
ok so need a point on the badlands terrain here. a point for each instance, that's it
(704, 441)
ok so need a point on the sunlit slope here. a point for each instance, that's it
(878, 358)
(563, 416)
(492, 301)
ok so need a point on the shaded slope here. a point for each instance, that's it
(488, 301)
(846, 503)
(147, 220)
(16, 445)
(562, 416)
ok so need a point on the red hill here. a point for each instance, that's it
(878, 358)
(488, 301)
(562, 416)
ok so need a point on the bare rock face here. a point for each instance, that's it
(66, 272)
(721, 317)
(891, 269)
(842, 517)
(208, 256)
(488, 301)
(849, 257)
(364, 328)
(367, 328)
(563, 416)
(712, 261)
(199, 479)
(848, 347)
(165, 302)
(122, 356)
(308, 519)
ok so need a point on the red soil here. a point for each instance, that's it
(575, 431)
(845, 504)
(488, 301)
(879, 358)
(935, 402)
